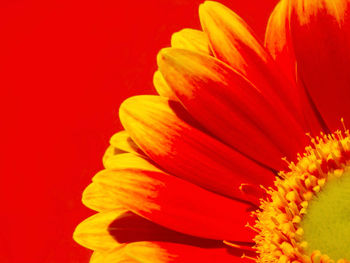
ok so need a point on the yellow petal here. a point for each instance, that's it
(128, 160)
(124, 183)
(230, 37)
(109, 153)
(122, 141)
(117, 255)
(97, 257)
(162, 87)
(148, 252)
(191, 39)
(97, 198)
(93, 233)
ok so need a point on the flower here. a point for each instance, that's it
(195, 175)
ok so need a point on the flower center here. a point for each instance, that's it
(306, 217)
(327, 221)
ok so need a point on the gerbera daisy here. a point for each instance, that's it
(217, 168)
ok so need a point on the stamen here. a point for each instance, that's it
(248, 257)
(343, 123)
(280, 235)
(235, 245)
(252, 228)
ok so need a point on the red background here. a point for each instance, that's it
(65, 66)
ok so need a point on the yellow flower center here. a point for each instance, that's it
(327, 221)
(306, 217)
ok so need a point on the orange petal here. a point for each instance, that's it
(231, 107)
(96, 198)
(122, 141)
(162, 252)
(233, 42)
(162, 87)
(93, 232)
(321, 38)
(176, 204)
(158, 126)
(191, 39)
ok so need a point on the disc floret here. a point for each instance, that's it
(281, 236)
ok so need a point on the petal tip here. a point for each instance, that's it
(162, 56)
(78, 234)
(127, 107)
(210, 5)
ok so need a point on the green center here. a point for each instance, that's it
(327, 222)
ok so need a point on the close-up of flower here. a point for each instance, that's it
(244, 154)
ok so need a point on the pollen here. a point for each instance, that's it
(303, 218)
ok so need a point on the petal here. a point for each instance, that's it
(129, 227)
(93, 232)
(231, 107)
(162, 252)
(109, 153)
(227, 34)
(176, 204)
(233, 42)
(321, 39)
(95, 198)
(122, 141)
(117, 255)
(128, 160)
(191, 39)
(187, 38)
(278, 42)
(162, 87)
(158, 127)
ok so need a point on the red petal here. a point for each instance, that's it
(158, 127)
(231, 107)
(321, 38)
(279, 43)
(233, 42)
(177, 204)
(161, 252)
(129, 227)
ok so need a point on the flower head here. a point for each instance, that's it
(200, 173)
